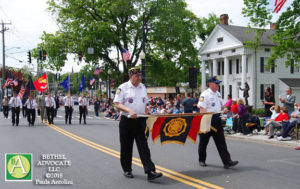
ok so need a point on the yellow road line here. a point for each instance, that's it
(167, 172)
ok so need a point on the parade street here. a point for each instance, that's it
(93, 152)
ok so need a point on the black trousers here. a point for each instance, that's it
(15, 112)
(31, 116)
(130, 130)
(82, 111)
(68, 114)
(50, 114)
(5, 111)
(24, 111)
(219, 139)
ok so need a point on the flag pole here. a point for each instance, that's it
(69, 83)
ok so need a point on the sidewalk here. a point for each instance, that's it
(259, 138)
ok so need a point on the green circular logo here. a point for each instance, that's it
(18, 166)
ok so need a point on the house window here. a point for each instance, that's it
(208, 55)
(222, 67)
(230, 90)
(233, 50)
(295, 67)
(220, 39)
(220, 53)
(263, 64)
(219, 68)
(241, 67)
(230, 67)
(267, 49)
(223, 91)
(237, 66)
(262, 90)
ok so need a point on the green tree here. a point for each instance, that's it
(108, 26)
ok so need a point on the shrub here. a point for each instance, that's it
(258, 111)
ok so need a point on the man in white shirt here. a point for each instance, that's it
(211, 101)
(69, 107)
(16, 106)
(31, 105)
(50, 106)
(82, 108)
(131, 98)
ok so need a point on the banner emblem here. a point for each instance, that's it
(175, 127)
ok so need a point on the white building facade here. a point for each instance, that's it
(225, 55)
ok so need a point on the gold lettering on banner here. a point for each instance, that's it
(175, 127)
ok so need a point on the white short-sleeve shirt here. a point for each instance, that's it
(211, 101)
(132, 97)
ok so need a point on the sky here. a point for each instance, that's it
(29, 18)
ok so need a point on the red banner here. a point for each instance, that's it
(41, 84)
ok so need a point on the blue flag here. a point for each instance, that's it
(29, 89)
(82, 81)
(65, 83)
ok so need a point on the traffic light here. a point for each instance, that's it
(29, 57)
(41, 55)
(80, 56)
(44, 55)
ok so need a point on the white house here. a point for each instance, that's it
(226, 56)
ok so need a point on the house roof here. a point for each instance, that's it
(291, 82)
(243, 34)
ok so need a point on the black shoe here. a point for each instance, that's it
(13, 124)
(85, 123)
(29, 124)
(230, 164)
(17, 124)
(153, 175)
(270, 137)
(202, 164)
(70, 123)
(128, 174)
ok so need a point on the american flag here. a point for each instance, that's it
(9, 81)
(92, 80)
(15, 82)
(125, 54)
(97, 71)
(278, 5)
(21, 93)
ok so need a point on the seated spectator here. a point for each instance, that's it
(163, 109)
(275, 111)
(229, 101)
(175, 110)
(291, 124)
(271, 125)
(253, 122)
(243, 117)
(170, 108)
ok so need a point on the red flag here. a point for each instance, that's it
(278, 5)
(41, 84)
(21, 93)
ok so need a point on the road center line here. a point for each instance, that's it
(167, 172)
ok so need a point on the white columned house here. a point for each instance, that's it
(227, 57)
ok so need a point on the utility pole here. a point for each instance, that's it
(3, 49)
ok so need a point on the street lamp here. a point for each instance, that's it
(109, 72)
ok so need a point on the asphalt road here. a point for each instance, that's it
(93, 150)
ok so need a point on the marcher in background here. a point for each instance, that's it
(42, 106)
(268, 102)
(24, 111)
(289, 100)
(97, 106)
(50, 107)
(131, 98)
(56, 99)
(211, 101)
(69, 107)
(5, 106)
(246, 92)
(82, 108)
(31, 113)
(16, 106)
(188, 103)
